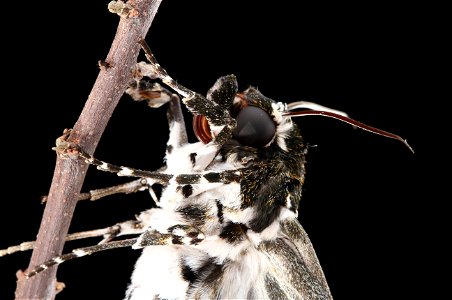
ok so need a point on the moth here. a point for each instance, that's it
(225, 225)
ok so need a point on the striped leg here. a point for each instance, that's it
(109, 233)
(178, 235)
(67, 148)
(79, 253)
(125, 188)
(226, 176)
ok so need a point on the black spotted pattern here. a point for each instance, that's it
(234, 233)
(194, 213)
(193, 158)
(169, 149)
(187, 190)
(219, 211)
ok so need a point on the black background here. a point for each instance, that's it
(362, 204)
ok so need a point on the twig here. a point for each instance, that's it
(70, 171)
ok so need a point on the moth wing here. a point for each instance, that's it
(295, 271)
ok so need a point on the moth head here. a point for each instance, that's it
(259, 119)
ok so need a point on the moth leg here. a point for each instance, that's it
(153, 177)
(196, 103)
(156, 95)
(214, 110)
(109, 233)
(177, 235)
(130, 227)
(125, 188)
(79, 253)
(153, 93)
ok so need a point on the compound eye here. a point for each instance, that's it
(254, 128)
(202, 129)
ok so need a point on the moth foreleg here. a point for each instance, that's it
(156, 95)
(212, 108)
(177, 131)
(151, 92)
(196, 103)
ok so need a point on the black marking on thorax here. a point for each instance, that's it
(194, 214)
(186, 190)
(220, 211)
(234, 233)
(207, 275)
(276, 175)
(193, 158)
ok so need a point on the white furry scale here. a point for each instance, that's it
(158, 272)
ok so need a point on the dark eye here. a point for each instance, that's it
(254, 128)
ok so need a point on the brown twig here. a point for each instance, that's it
(69, 174)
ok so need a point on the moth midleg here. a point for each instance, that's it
(226, 176)
(124, 188)
(179, 234)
